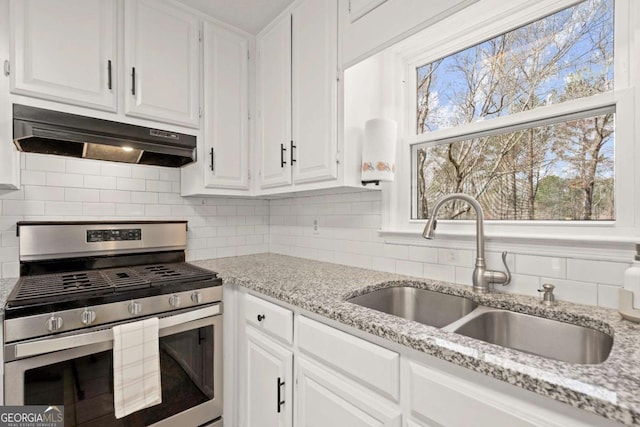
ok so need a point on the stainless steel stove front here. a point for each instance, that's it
(74, 369)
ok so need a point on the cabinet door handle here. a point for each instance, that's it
(261, 317)
(133, 81)
(212, 159)
(109, 81)
(280, 401)
(282, 150)
(292, 159)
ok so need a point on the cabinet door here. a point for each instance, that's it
(325, 399)
(359, 8)
(226, 138)
(268, 388)
(274, 104)
(315, 71)
(162, 66)
(65, 50)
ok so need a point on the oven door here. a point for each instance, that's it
(77, 372)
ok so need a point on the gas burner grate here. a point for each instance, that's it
(124, 278)
(159, 274)
(45, 286)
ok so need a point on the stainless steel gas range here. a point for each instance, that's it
(78, 281)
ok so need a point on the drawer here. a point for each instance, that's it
(270, 318)
(368, 363)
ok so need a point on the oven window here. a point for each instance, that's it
(85, 385)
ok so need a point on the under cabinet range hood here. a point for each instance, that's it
(36, 130)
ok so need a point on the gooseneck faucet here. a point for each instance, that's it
(482, 277)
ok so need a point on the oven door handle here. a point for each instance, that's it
(49, 345)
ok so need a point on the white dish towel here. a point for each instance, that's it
(136, 366)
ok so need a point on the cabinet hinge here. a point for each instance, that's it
(249, 175)
(200, 35)
(248, 54)
(7, 67)
(349, 6)
(200, 112)
(249, 114)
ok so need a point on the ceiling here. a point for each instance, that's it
(248, 15)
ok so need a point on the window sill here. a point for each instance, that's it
(610, 246)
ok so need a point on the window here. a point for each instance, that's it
(517, 122)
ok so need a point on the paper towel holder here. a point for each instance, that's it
(378, 151)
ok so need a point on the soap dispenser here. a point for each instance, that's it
(630, 293)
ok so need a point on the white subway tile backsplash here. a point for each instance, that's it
(81, 195)
(115, 170)
(129, 210)
(410, 268)
(99, 209)
(59, 179)
(100, 182)
(456, 257)
(521, 284)
(22, 207)
(445, 273)
(159, 186)
(423, 254)
(541, 266)
(33, 177)
(145, 172)
(610, 273)
(396, 251)
(10, 269)
(608, 296)
(37, 162)
(169, 174)
(131, 184)
(82, 167)
(464, 276)
(37, 192)
(163, 211)
(148, 198)
(115, 196)
(63, 209)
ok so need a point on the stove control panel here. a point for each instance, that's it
(114, 235)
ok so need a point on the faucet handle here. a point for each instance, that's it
(508, 273)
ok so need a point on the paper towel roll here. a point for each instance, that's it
(379, 150)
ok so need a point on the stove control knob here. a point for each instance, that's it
(135, 308)
(88, 317)
(196, 297)
(54, 323)
(174, 301)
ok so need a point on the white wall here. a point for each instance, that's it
(61, 188)
(348, 234)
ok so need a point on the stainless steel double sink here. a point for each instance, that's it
(531, 334)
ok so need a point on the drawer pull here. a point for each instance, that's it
(280, 401)
(261, 317)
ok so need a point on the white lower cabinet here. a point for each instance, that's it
(345, 378)
(269, 370)
(324, 398)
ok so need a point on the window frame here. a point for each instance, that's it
(491, 19)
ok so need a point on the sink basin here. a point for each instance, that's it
(536, 335)
(427, 307)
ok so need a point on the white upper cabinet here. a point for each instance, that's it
(368, 26)
(65, 50)
(314, 90)
(274, 104)
(162, 66)
(9, 156)
(359, 8)
(226, 110)
(297, 96)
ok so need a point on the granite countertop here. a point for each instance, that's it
(609, 389)
(6, 286)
